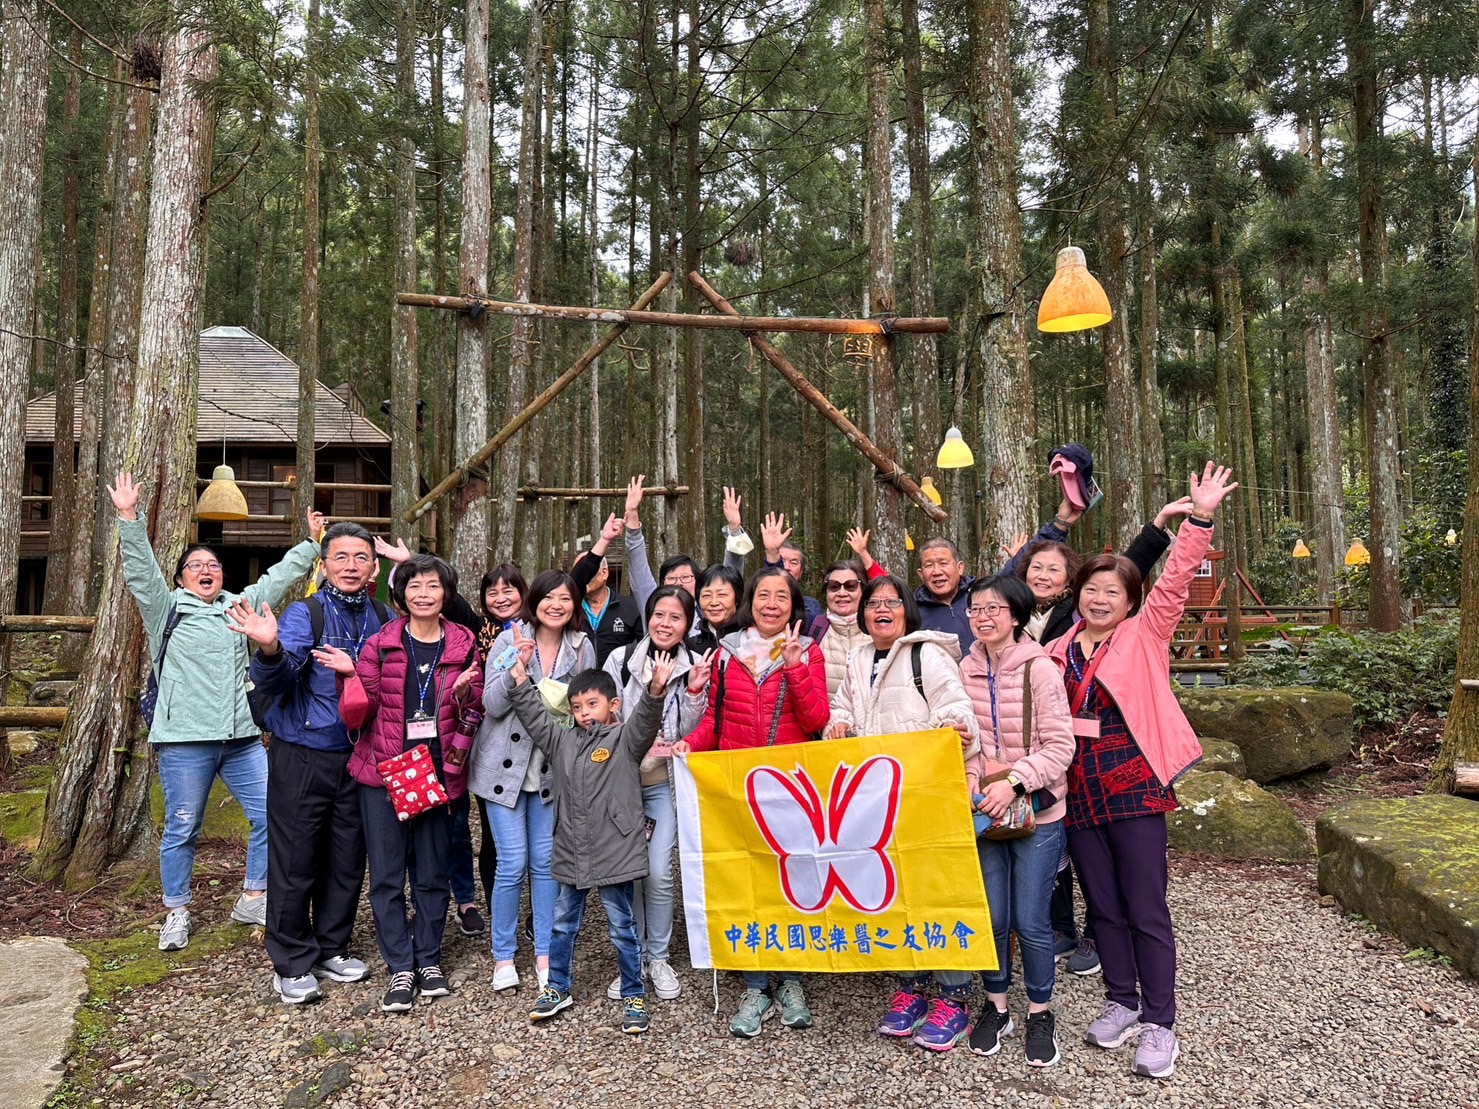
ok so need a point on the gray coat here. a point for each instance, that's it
(600, 838)
(501, 750)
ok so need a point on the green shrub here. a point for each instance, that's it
(1267, 671)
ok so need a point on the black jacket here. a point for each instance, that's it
(1145, 550)
(620, 623)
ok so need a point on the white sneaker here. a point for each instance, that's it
(664, 981)
(296, 991)
(250, 910)
(613, 991)
(542, 974)
(174, 933)
(342, 968)
(506, 978)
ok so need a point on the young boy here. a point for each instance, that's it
(600, 837)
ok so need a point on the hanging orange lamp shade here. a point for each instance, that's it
(1358, 555)
(927, 487)
(1074, 300)
(1300, 550)
(908, 542)
(223, 498)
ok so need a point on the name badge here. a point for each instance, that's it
(1086, 727)
(662, 749)
(421, 728)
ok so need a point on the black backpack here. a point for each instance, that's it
(261, 703)
(149, 699)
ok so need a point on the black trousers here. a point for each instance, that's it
(1062, 906)
(392, 845)
(315, 856)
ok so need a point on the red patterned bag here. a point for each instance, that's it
(411, 780)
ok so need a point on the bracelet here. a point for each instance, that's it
(1205, 517)
(1061, 524)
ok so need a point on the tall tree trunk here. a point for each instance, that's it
(444, 395)
(1227, 442)
(924, 350)
(1241, 400)
(63, 470)
(404, 380)
(1122, 404)
(23, 86)
(1378, 373)
(1153, 445)
(888, 431)
(98, 803)
(1007, 414)
(1461, 733)
(697, 540)
(521, 349)
(470, 504)
(593, 236)
(308, 326)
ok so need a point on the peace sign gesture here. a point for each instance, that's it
(791, 647)
(523, 644)
(698, 673)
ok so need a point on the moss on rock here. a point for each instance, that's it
(1281, 732)
(1233, 819)
(1219, 754)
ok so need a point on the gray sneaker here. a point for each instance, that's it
(250, 910)
(755, 1008)
(792, 1002)
(1085, 958)
(341, 968)
(295, 991)
(174, 933)
(1115, 1025)
(1156, 1056)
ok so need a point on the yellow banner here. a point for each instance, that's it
(845, 855)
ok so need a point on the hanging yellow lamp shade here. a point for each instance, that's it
(1451, 538)
(1358, 555)
(908, 542)
(927, 487)
(1074, 300)
(1300, 550)
(222, 499)
(955, 452)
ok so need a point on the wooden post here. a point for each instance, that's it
(1466, 778)
(888, 469)
(825, 325)
(534, 407)
(32, 716)
(12, 623)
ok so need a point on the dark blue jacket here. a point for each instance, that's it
(937, 616)
(305, 694)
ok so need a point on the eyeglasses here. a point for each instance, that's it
(989, 609)
(835, 586)
(344, 558)
(884, 602)
(196, 566)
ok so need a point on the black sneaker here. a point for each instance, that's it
(432, 982)
(402, 993)
(1042, 1047)
(529, 927)
(991, 1028)
(550, 1002)
(470, 921)
(634, 1015)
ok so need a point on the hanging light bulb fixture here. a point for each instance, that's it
(927, 487)
(1074, 300)
(1358, 555)
(955, 452)
(1451, 538)
(223, 499)
(908, 542)
(857, 348)
(1300, 550)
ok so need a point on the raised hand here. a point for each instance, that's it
(332, 658)
(125, 496)
(733, 502)
(316, 525)
(464, 679)
(634, 501)
(698, 674)
(259, 627)
(791, 648)
(857, 539)
(519, 672)
(1067, 514)
(1208, 493)
(773, 533)
(397, 553)
(523, 644)
(662, 672)
(611, 530)
(1009, 550)
(1181, 506)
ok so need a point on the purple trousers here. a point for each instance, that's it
(1122, 867)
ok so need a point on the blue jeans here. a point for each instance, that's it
(653, 900)
(525, 836)
(954, 984)
(187, 771)
(621, 926)
(1020, 874)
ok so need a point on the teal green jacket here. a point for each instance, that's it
(203, 689)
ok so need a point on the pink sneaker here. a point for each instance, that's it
(1115, 1025)
(1156, 1056)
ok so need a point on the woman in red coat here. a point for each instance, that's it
(767, 685)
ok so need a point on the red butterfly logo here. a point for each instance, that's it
(836, 846)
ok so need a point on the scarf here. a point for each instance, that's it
(353, 600)
(1045, 607)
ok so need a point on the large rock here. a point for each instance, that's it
(52, 692)
(1219, 754)
(1233, 819)
(1410, 865)
(1281, 732)
(37, 1007)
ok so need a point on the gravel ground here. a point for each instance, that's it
(1283, 1001)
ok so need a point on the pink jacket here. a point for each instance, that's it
(1136, 670)
(373, 699)
(1046, 765)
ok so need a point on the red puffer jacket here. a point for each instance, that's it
(373, 699)
(748, 709)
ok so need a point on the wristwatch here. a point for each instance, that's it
(1017, 786)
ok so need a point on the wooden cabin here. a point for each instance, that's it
(248, 418)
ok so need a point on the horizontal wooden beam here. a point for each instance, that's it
(529, 492)
(13, 623)
(32, 716)
(1470, 684)
(825, 325)
(366, 521)
(1466, 778)
(331, 486)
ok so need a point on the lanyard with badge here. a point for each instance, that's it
(1086, 724)
(421, 726)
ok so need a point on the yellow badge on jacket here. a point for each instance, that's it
(600, 754)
